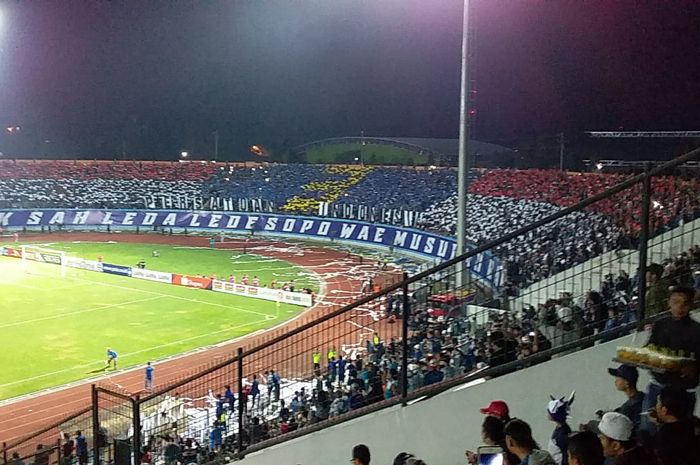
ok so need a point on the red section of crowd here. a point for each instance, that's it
(85, 170)
(673, 197)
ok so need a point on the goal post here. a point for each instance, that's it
(33, 253)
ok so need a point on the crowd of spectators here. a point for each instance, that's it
(86, 170)
(674, 198)
(443, 348)
(276, 183)
(651, 427)
(501, 200)
(96, 184)
(408, 189)
(543, 252)
(96, 193)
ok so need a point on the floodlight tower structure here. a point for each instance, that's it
(464, 158)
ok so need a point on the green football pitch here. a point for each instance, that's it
(56, 329)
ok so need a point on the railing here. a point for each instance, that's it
(413, 338)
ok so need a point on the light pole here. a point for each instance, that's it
(463, 162)
(216, 145)
(362, 146)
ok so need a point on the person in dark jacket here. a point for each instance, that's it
(585, 449)
(520, 442)
(626, 377)
(675, 442)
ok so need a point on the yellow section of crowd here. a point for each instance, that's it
(326, 191)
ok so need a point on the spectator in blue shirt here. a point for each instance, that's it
(230, 398)
(148, 382)
(332, 370)
(275, 384)
(433, 375)
(216, 436)
(219, 406)
(254, 390)
(81, 449)
(341, 368)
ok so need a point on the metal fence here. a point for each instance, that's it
(575, 278)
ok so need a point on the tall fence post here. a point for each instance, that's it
(240, 398)
(136, 418)
(95, 426)
(644, 244)
(404, 340)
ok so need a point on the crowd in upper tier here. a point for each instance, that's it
(500, 200)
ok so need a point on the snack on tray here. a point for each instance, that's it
(654, 357)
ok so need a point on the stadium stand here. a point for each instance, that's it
(500, 200)
(441, 344)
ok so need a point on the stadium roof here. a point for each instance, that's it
(445, 147)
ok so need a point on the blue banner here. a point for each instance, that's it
(116, 269)
(485, 265)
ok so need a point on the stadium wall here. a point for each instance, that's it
(485, 266)
(589, 275)
(441, 428)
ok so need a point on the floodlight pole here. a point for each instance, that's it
(463, 162)
(216, 145)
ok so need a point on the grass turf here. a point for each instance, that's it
(56, 329)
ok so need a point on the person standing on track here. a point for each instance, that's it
(244, 280)
(256, 281)
(148, 381)
(111, 359)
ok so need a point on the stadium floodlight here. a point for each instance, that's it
(463, 161)
(184, 154)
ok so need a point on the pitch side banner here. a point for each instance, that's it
(484, 265)
(276, 295)
(116, 269)
(83, 264)
(192, 281)
(151, 275)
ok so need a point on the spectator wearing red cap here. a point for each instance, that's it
(498, 409)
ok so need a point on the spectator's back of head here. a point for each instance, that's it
(492, 430)
(585, 449)
(674, 402)
(360, 455)
(519, 435)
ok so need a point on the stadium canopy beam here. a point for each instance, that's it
(642, 134)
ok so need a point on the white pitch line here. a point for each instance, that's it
(175, 297)
(77, 312)
(88, 365)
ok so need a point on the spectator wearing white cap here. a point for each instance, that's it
(615, 433)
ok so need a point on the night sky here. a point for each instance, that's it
(80, 77)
